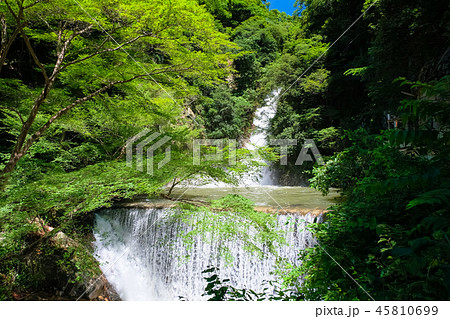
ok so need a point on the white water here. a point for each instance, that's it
(258, 138)
(139, 252)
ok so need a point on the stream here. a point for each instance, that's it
(144, 257)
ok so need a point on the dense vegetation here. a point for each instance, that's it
(77, 81)
(391, 231)
(378, 101)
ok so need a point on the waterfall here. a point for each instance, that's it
(139, 251)
(144, 257)
(258, 138)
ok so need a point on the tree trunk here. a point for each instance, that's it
(7, 170)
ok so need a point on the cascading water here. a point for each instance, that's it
(140, 252)
(258, 138)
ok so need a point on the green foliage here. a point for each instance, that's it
(231, 219)
(225, 115)
(391, 232)
(76, 166)
(393, 39)
(221, 290)
(262, 41)
(231, 13)
(79, 65)
(436, 196)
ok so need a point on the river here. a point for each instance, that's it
(144, 256)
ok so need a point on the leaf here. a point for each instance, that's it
(402, 251)
(437, 196)
(419, 243)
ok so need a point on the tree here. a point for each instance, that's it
(86, 49)
(391, 230)
(230, 13)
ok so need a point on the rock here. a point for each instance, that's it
(95, 289)
(102, 290)
(54, 273)
(63, 241)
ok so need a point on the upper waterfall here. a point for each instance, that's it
(258, 138)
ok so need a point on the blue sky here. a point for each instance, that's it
(282, 5)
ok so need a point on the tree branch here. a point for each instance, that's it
(15, 111)
(19, 115)
(5, 48)
(36, 135)
(105, 50)
(4, 30)
(32, 4)
(63, 111)
(33, 54)
(6, 45)
(62, 53)
(18, 19)
(11, 10)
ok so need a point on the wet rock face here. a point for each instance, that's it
(104, 291)
(286, 177)
(95, 289)
(55, 283)
(53, 274)
(44, 271)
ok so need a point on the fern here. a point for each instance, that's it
(437, 196)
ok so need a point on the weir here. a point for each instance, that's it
(141, 252)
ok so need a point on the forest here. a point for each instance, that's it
(367, 80)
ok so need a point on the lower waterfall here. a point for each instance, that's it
(141, 255)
